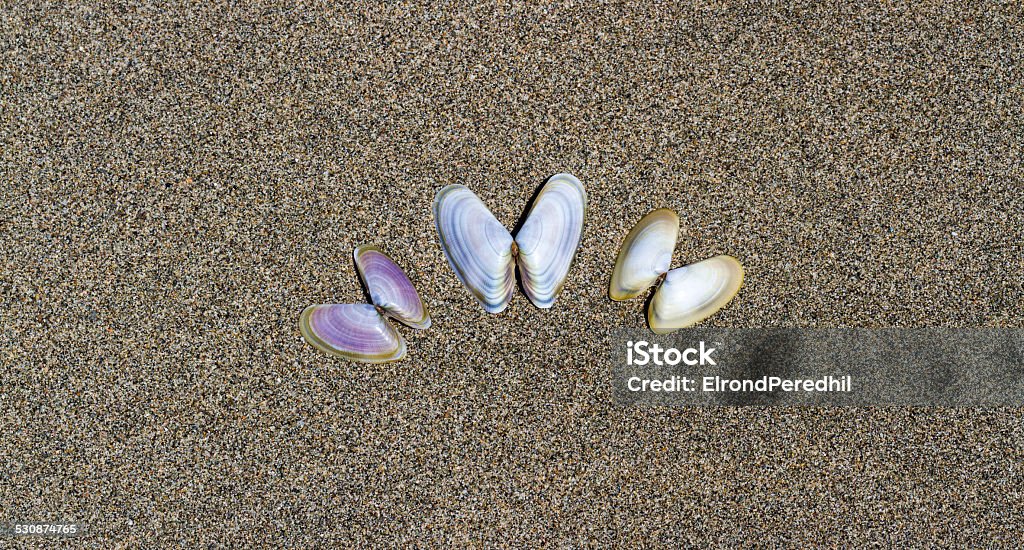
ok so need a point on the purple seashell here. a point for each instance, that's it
(354, 331)
(361, 332)
(390, 288)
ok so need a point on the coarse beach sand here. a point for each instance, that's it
(177, 183)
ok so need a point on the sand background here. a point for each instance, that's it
(177, 183)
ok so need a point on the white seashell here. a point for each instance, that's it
(477, 246)
(693, 293)
(645, 255)
(483, 254)
(549, 238)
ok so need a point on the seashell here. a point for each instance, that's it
(549, 238)
(483, 254)
(357, 332)
(686, 295)
(645, 255)
(477, 246)
(390, 288)
(693, 293)
(361, 332)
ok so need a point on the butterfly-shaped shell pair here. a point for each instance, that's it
(688, 294)
(361, 332)
(484, 254)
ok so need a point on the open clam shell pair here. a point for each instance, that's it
(362, 332)
(687, 295)
(484, 254)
